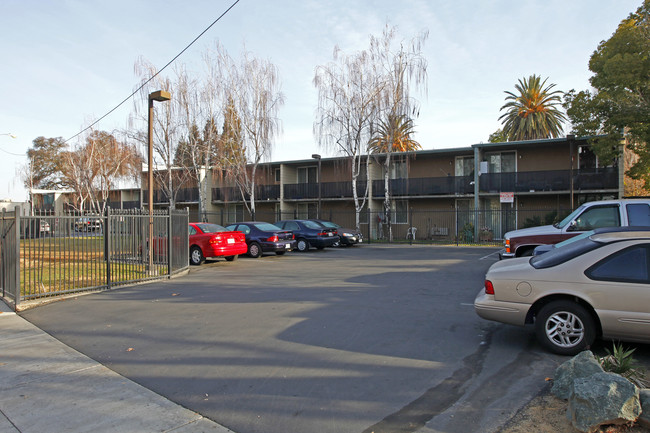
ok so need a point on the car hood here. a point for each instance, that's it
(533, 231)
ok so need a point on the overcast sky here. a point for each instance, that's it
(66, 63)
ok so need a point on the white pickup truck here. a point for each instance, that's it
(589, 216)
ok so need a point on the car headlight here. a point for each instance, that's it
(348, 235)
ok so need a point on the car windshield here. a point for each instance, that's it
(570, 217)
(561, 255)
(211, 228)
(267, 227)
(312, 225)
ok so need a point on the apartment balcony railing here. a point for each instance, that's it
(183, 195)
(553, 180)
(262, 192)
(531, 181)
(448, 185)
(130, 204)
(297, 191)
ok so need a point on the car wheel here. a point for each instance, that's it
(232, 258)
(302, 245)
(196, 256)
(280, 253)
(565, 327)
(254, 250)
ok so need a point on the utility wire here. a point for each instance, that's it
(154, 75)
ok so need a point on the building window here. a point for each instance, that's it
(307, 174)
(398, 170)
(465, 166)
(307, 210)
(502, 162)
(400, 211)
(234, 213)
(277, 175)
(587, 158)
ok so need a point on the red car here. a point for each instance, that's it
(212, 240)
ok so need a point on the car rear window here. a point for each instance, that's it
(560, 255)
(266, 227)
(312, 225)
(211, 228)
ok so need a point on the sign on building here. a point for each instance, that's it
(507, 197)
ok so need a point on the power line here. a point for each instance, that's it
(154, 75)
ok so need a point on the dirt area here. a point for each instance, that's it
(547, 414)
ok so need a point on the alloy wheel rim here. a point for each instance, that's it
(565, 329)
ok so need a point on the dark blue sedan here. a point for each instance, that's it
(264, 237)
(310, 234)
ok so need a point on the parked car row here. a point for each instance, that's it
(256, 238)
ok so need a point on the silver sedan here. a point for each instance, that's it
(597, 287)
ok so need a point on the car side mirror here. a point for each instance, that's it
(573, 226)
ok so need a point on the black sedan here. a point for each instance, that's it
(310, 234)
(348, 237)
(264, 237)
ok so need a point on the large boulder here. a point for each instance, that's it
(602, 399)
(583, 364)
(644, 396)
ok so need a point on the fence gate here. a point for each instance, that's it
(9, 261)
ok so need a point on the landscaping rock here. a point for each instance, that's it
(644, 396)
(600, 399)
(583, 364)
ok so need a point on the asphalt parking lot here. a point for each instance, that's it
(376, 338)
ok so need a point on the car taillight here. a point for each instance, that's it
(217, 239)
(273, 238)
(322, 234)
(489, 287)
(293, 236)
(506, 243)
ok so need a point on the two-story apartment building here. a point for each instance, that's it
(487, 184)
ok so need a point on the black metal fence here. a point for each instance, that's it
(50, 255)
(455, 226)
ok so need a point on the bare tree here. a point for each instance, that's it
(348, 104)
(168, 130)
(94, 168)
(401, 67)
(255, 93)
(203, 102)
(112, 160)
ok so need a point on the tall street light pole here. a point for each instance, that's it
(159, 96)
(318, 158)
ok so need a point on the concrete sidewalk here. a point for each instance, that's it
(46, 386)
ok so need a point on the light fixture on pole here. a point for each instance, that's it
(159, 96)
(318, 158)
(10, 135)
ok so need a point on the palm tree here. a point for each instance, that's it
(532, 114)
(392, 136)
